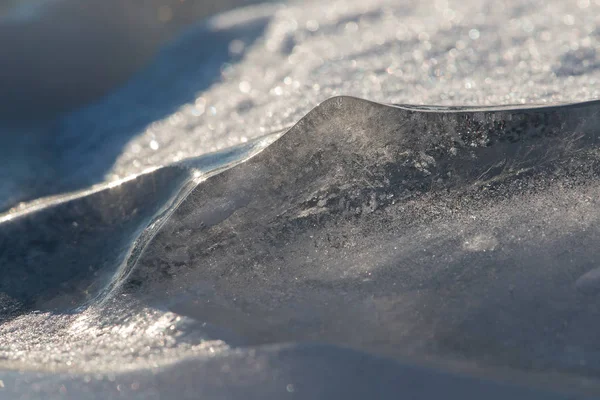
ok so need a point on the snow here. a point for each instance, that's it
(466, 240)
(253, 71)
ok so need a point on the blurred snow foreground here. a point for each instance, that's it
(233, 230)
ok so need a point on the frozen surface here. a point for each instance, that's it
(461, 243)
(435, 252)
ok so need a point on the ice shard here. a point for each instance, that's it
(453, 245)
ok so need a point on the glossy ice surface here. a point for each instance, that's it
(430, 252)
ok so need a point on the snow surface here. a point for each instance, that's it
(463, 242)
(256, 70)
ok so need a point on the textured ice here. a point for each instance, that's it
(454, 241)
(434, 252)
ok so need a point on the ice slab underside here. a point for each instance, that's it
(444, 245)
